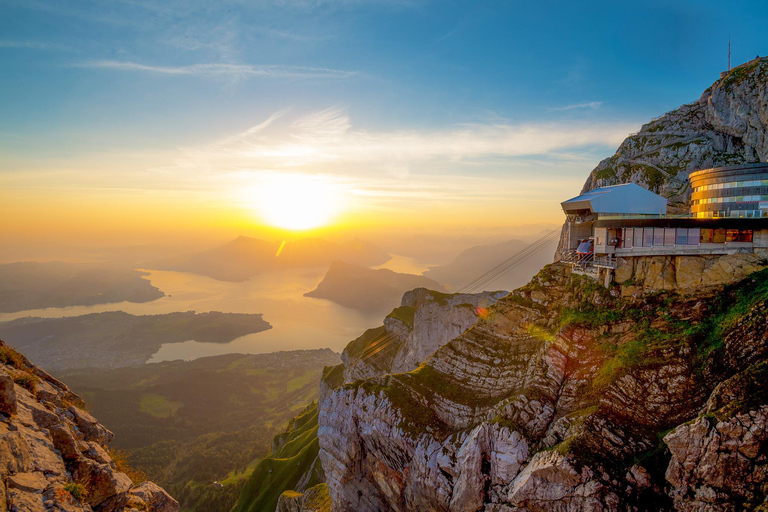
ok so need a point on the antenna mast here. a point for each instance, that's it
(729, 53)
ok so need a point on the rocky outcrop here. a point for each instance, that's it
(425, 320)
(53, 454)
(727, 125)
(559, 404)
(687, 274)
(720, 465)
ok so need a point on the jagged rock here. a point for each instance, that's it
(28, 482)
(91, 429)
(49, 445)
(145, 496)
(552, 482)
(718, 464)
(103, 481)
(63, 441)
(24, 501)
(437, 318)
(7, 395)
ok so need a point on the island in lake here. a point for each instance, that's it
(117, 339)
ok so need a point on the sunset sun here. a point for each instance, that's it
(297, 201)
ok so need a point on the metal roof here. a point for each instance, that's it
(624, 198)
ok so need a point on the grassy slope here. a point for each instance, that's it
(281, 470)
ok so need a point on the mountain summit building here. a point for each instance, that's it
(729, 214)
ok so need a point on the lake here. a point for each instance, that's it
(298, 322)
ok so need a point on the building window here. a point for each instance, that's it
(638, 237)
(669, 236)
(627, 236)
(658, 236)
(648, 237)
(693, 236)
(706, 236)
(719, 236)
(681, 237)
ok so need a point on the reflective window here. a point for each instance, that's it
(669, 236)
(638, 237)
(648, 237)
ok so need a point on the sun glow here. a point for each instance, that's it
(297, 201)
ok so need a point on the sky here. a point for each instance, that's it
(141, 121)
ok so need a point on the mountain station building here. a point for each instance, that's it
(729, 213)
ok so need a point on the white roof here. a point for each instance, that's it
(624, 198)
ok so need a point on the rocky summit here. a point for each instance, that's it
(54, 455)
(727, 125)
(565, 396)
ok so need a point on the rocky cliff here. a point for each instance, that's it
(582, 399)
(425, 320)
(54, 455)
(727, 125)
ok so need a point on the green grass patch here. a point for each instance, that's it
(298, 382)
(405, 314)
(357, 347)
(158, 405)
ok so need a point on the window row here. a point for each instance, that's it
(731, 184)
(732, 199)
(649, 237)
(733, 213)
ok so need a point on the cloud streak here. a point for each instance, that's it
(591, 104)
(225, 70)
(329, 141)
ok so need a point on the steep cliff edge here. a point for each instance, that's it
(566, 396)
(53, 454)
(289, 477)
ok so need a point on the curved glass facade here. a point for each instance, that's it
(733, 191)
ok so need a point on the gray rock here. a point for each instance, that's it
(7, 395)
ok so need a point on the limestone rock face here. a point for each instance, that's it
(727, 125)
(718, 464)
(52, 452)
(686, 274)
(425, 321)
(529, 411)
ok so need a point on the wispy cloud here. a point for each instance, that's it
(591, 104)
(33, 45)
(293, 36)
(217, 69)
(328, 140)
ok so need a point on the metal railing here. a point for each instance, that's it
(584, 261)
